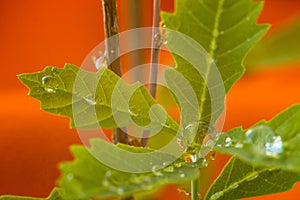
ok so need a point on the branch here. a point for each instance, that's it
(112, 46)
(155, 48)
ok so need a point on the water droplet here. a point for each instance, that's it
(131, 112)
(178, 164)
(221, 32)
(135, 179)
(190, 158)
(50, 90)
(184, 190)
(198, 139)
(169, 169)
(274, 147)
(214, 62)
(105, 183)
(54, 70)
(238, 145)
(228, 142)
(70, 177)
(233, 185)
(165, 125)
(247, 18)
(203, 162)
(181, 174)
(50, 82)
(120, 190)
(89, 100)
(213, 155)
(155, 171)
(112, 51)
(217, 195)
(251, 176)
(263, 141)
(165, 41)
(108, 173)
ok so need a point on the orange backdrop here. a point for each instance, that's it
(36, 33)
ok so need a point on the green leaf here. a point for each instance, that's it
(241, 180)
(56, 194)
(279, 48)
(87, 177)
(273, 144)
(226, 29)
(91, 98)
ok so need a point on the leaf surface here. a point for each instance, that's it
(226, 29)
(56, 194)
(87, 177)
(89, 99)
(241, 180)
(273, 144)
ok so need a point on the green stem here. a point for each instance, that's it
(195, 188)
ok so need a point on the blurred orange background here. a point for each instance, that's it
(35, 34)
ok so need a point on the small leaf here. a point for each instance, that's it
(90, 99)
(56, 194)
(87, 177)
(226, 29)
(279, 48)
(273, 144)
(240, 180)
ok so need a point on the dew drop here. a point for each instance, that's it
(89, 100)
(50, 90)
(70, 177)
(181, 175)
(190, 158)
(228, 142)
(169, 169)
(274, 147)
(178, 164)
(251, 176)
(156, 172)
(212, 155)
(234, 185)
(217, 195)
(50, 82)
(105, 183)
(199, 139)
(221, 32)
(263, 141)
(108, 173)
(54, 70)
(135, 179)
(112, 51)
(131, 112)
(165, 125)
(120, 190)
(247, 18)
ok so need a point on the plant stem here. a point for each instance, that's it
(155, 48)
(195, 188)
(112, 46)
